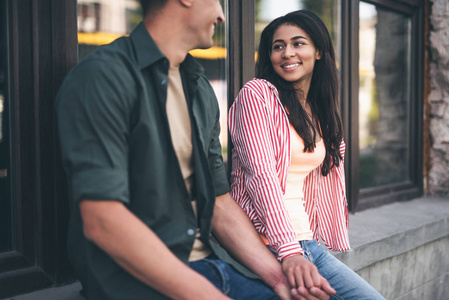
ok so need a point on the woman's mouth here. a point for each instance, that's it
(290, 66)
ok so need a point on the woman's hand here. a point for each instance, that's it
(304, 279)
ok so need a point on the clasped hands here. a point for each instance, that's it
(304, 280)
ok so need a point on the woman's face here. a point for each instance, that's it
(293, 55)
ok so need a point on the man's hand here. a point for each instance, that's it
(305, 280)
(283, 290)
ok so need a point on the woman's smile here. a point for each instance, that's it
(291, 66)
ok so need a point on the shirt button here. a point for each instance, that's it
(190, 231)
(163, 81)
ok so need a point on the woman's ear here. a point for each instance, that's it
(318, 55)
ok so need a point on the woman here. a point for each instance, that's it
(287, 162)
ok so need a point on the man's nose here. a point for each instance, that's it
(221, 17)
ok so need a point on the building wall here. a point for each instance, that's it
(401, 248)
(419, 274)
(438, 54)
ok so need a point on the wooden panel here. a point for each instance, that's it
(43, 47)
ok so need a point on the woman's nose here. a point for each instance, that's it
(289, 51)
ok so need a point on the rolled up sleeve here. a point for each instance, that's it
(92, 109)
(216, 165)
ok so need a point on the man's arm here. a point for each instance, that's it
(236, 233)
(138, 250)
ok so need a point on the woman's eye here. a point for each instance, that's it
(297, 44)
(277, 47)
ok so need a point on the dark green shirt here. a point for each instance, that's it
(116, 144)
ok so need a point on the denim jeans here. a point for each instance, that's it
(348, 284)
(231, 282)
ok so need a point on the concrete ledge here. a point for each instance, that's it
(390, 230)
(67, 292)
(375, 234)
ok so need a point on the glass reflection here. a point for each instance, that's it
(214, 61)
(383, 96)
(2, 105)
(101, 22)
(327, 10)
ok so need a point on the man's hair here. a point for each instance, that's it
(148, 5)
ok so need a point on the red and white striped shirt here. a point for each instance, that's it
(259, 129)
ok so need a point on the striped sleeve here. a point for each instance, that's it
(250, 133)
(333, 215)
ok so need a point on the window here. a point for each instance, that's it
(384, 97)
(387, 101)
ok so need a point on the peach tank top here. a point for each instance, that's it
(302, 163)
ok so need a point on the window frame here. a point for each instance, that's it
(241, 44)
(42, 46)
(5, 146)
(361, 199)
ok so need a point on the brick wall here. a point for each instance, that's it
(438, 54)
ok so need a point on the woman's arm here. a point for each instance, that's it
(235, 232)
(249, 128)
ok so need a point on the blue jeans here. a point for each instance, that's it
(231, 282)
(348, 284)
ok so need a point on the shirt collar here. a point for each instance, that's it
(148, 53)
(269, 84)
(146, 49)
(192, 66)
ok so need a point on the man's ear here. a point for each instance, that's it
(186, 3)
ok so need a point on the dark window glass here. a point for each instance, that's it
(384, 96)
(5, 157)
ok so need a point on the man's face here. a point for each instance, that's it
(205, 15)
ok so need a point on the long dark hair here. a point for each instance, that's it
(323, 93)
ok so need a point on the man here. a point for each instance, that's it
(138, 124)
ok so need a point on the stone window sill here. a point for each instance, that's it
(390, 230)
